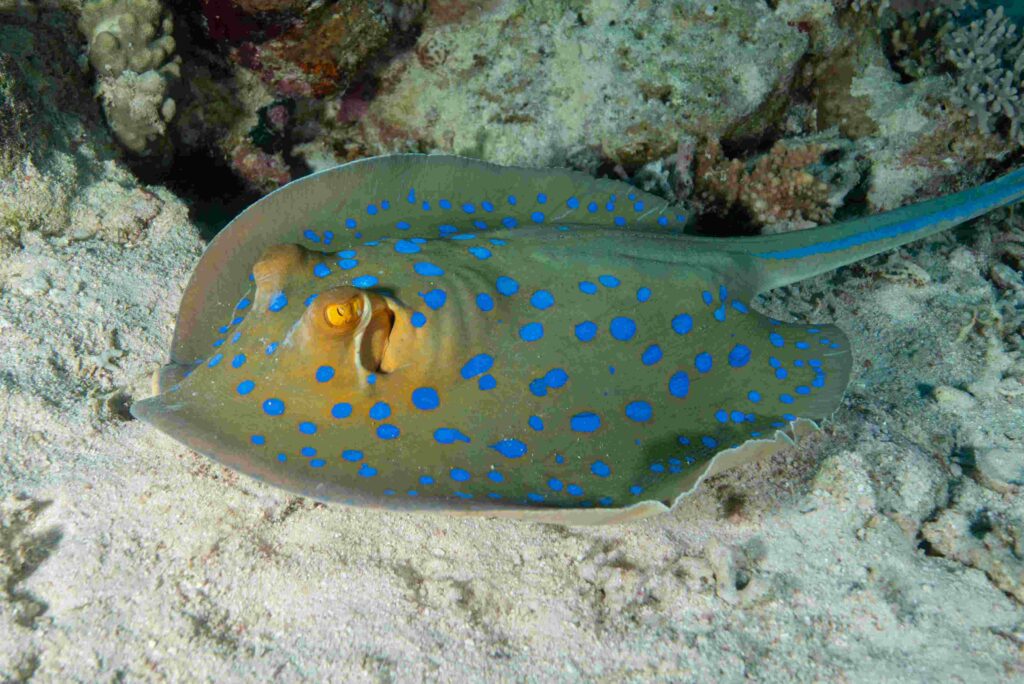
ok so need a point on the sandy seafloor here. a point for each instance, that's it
(885, 548)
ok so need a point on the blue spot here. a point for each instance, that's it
(418, 320)
(449, 436)
(608, 280)
(459, 475)
(347, 264)
(509, 448)
(310, 235)
(487, 206)
(786, 398)
(387, 431)
(802, 389)
(679, 384)
(542, 299)
(776, 339)
(739, 306)
(737, 416)
(350, 223)
(554, 484)
(640, 411)
(636, 490)
(484, 302)
(406, 247)
(307, 451)
(426, 480)
(243, 303)
(506, 286)
(586, 331)
(643, 294)
(307, 428)
(781, 373)
(371, 210)
(592, 207)
(218, 343)
(587, 287)
(622, 328)
(342, 409)
(259, 440)
(486, 382)
(651, 355)
(245, 387)
(310, 298)
(509, 222)
(480, 252)
(682, 324)
(425, 398)
(380, 411)
(556, 377)
(754, 396)
(238, 361)
(352, 455)
(739, 356)
(619, 221)
(774, 362)
(215, 359)
(364, 281)
(317, 463)
(425, 268)
(610, 205)
(662, 220)
(531, 332)
(720, 313)
(709, 442)
(495, 476)
(468, 208)
(572, 203)
(585, 422)
(273, 407)
(600, 468)
(278, 302)
(321, 271)
(481, 363)
(445, 204)
(802, 345)
(707, 297)
(703, 362)
(324, 373)
(537, 217)
(402, 225)
(536, 423)
(367, 471)
(722, 416)
(434, 299)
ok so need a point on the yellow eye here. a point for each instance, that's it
(345, 313)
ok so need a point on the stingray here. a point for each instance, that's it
(431, 332)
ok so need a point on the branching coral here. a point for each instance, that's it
(776, 187)
(132, 50)
(989, 60)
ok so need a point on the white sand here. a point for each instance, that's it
(124, 555)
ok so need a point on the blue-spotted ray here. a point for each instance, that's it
(432, 332)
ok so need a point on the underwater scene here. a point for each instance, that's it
(526, 341)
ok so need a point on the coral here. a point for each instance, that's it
(776, 187)
(989, 61)
(548, 82)
(318, 53)
(132, 51)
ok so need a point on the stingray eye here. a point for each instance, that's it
(345, 314)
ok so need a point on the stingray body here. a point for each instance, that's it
(426, 332)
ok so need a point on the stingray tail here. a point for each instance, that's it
(779, 260)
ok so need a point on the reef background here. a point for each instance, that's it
(889, 546)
